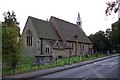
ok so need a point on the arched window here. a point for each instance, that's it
(29, 38)
(47, 49)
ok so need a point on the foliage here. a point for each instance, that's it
(112, 6)
(100, 41)
(0, 47)
(114, 35)
(11, 41)
(108, 40)
(10, 19)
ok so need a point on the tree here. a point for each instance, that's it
(99, 41)
(0, 40)
(112, 6)
(108, 40)
(114, 36)
(11, 40)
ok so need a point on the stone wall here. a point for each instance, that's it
(30, 51)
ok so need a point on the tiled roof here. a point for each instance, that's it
(44, 29)
(70, 31)
(66, 30)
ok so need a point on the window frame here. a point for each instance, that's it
(47, 50)
(29, 38)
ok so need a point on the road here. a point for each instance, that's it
(107, 68)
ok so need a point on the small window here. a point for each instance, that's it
(29, 40)
(72, 45)
(47, 50)
(83, 46)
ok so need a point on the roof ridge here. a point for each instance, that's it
(64, 20)
(37, 18)
(53, 17)
(43, 28)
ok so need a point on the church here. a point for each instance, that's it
(55, 38)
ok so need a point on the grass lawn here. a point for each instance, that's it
(27, 65)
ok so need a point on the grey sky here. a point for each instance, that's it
(91, 12)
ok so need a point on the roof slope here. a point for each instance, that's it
(44, 29)
(70, 30)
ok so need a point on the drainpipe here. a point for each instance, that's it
(76, 44)
(41, 46)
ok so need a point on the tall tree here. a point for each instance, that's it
(100, 42)
(115, 36)
(11, 40)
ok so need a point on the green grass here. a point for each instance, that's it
(27, 64)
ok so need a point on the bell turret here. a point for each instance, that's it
(79, 22)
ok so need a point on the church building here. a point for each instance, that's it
(56, 38)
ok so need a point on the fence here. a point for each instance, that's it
(30, 66)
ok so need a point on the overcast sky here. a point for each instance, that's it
(91, 12)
